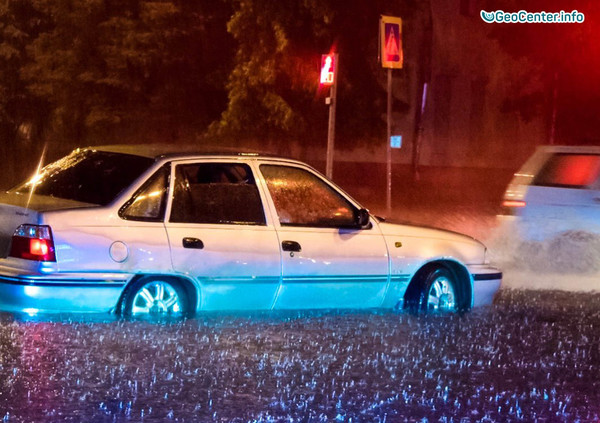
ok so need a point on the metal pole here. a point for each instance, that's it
(419, 133)
(554, 108)
(331, 129)
(389, 146)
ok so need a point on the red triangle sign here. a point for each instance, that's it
(391, 47)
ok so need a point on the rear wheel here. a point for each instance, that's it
(155, 297)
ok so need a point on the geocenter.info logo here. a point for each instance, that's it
(522, 16)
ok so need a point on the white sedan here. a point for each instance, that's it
(148, 230)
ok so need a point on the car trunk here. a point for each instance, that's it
(17, 209)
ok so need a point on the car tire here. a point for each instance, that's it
(438, 293)
(434, 289)
(155, 297)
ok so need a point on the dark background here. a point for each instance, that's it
(239, 74)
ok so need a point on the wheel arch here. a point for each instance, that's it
(464, 290)
(192, 291)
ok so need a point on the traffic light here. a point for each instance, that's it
(327, 69)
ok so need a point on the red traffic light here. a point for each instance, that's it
(327, 69)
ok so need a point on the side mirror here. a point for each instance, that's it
(362, 218)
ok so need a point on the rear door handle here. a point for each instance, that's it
(291, 246)
(193, 243)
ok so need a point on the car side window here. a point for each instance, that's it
(568, 170)
(148, 203)
(303, 199)
(223, 193)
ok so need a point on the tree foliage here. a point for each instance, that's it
(91, 69)
(19, 23)
(274, 78)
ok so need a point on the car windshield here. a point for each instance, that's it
(88, 176)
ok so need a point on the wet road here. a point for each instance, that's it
(533, 355)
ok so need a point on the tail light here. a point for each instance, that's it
(510, 207)
(33, 242)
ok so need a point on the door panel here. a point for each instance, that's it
(219, 236)
(238, 267)
(334, 269)
(563, 196)
(553, 210)
(327, 262)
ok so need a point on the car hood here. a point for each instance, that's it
(391, 228)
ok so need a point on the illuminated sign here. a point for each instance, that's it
(390, 34)
(327, 69)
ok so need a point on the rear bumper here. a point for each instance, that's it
(486, 282)
(60, 293)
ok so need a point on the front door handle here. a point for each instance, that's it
(291, 246)
(193, 243)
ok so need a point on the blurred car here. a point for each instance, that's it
(556, 191)
(144, 230)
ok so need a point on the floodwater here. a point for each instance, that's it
(531, 356)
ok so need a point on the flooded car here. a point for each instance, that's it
(158, 230)
(556, 191)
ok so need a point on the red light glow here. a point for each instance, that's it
(513, 203)
(38, 247)
(327, 69)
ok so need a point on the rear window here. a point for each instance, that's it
(88, 176)
(569, 171)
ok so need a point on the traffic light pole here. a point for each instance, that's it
(331, 128)
(389, 145)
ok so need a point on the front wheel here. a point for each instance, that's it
(438, 292)
(156, 297)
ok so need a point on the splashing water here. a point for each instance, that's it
(568, 260)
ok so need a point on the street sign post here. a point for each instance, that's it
(390, 52)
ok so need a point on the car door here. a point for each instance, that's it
(564, 194)
(219, 235)
(326, 261)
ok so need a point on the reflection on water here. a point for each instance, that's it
(533, 355)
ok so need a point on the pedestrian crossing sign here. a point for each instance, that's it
(390, 34)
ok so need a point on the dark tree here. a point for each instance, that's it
(106, 71)
(139, 70)
(21, 114)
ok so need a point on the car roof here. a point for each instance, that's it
(185, 151)
(174, 151)
(590, 149)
